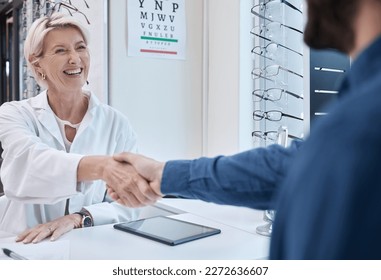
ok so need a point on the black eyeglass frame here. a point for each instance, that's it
(264, 115)
(56, 7)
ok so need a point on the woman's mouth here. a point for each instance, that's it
(73, 72)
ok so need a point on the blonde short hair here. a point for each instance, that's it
(34, 42)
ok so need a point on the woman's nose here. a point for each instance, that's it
(74, 57)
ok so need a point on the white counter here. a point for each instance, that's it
(237, 239)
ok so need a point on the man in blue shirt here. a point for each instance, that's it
(327, 191)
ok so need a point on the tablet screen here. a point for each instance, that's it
(167, 230)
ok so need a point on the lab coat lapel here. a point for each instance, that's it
(87, 119)
(45, 116)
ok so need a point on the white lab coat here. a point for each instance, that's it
(39, 175)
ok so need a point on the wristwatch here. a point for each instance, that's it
(87, 220)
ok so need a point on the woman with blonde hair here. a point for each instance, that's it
(58, 145)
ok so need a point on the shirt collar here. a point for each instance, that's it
(41, 101)
(363, 68)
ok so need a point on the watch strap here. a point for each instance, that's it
(85, 216)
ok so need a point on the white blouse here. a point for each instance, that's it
(61, 125)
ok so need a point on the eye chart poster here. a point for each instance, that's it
(156, 28)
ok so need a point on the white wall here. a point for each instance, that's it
(185, 109)
(161, 98)
(97, 15)
(230, 85)
(223, 93)
(246, 85)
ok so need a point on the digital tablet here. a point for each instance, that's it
(167, 230)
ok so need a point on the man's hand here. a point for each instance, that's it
(132, 189)
(128, 191)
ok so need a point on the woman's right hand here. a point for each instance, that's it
(120, 176)
(123, 178)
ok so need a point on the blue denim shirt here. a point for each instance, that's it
(245, 179)
(329, 200)
(329, 206)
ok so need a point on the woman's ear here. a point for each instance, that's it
(36, 65)
(34, 61)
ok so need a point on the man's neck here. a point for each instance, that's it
(367, 26)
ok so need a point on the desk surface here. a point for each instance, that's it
(237, 239)
(240, 217)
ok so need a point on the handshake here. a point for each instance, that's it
(133, 180)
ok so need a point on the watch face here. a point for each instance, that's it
(86, 222)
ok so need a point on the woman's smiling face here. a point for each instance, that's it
(65, 60)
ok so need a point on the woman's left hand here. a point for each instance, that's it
(53, 229)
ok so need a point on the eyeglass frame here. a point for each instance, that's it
(271, 41)
(265, 115)
(69, 7)
(262, 97)
(263, 135)
(275, 55)
(264, 48)
(265, 18)
(282, 25)
(274, 65)
(284, 2)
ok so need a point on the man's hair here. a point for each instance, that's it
(330, 24)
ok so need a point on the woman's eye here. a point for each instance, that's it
(60, 50)
(82, 47)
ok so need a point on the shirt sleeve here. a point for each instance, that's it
(32, 171)
(248, 178)
(110, 213)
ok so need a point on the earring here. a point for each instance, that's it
(43, 76)
(87, 82)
